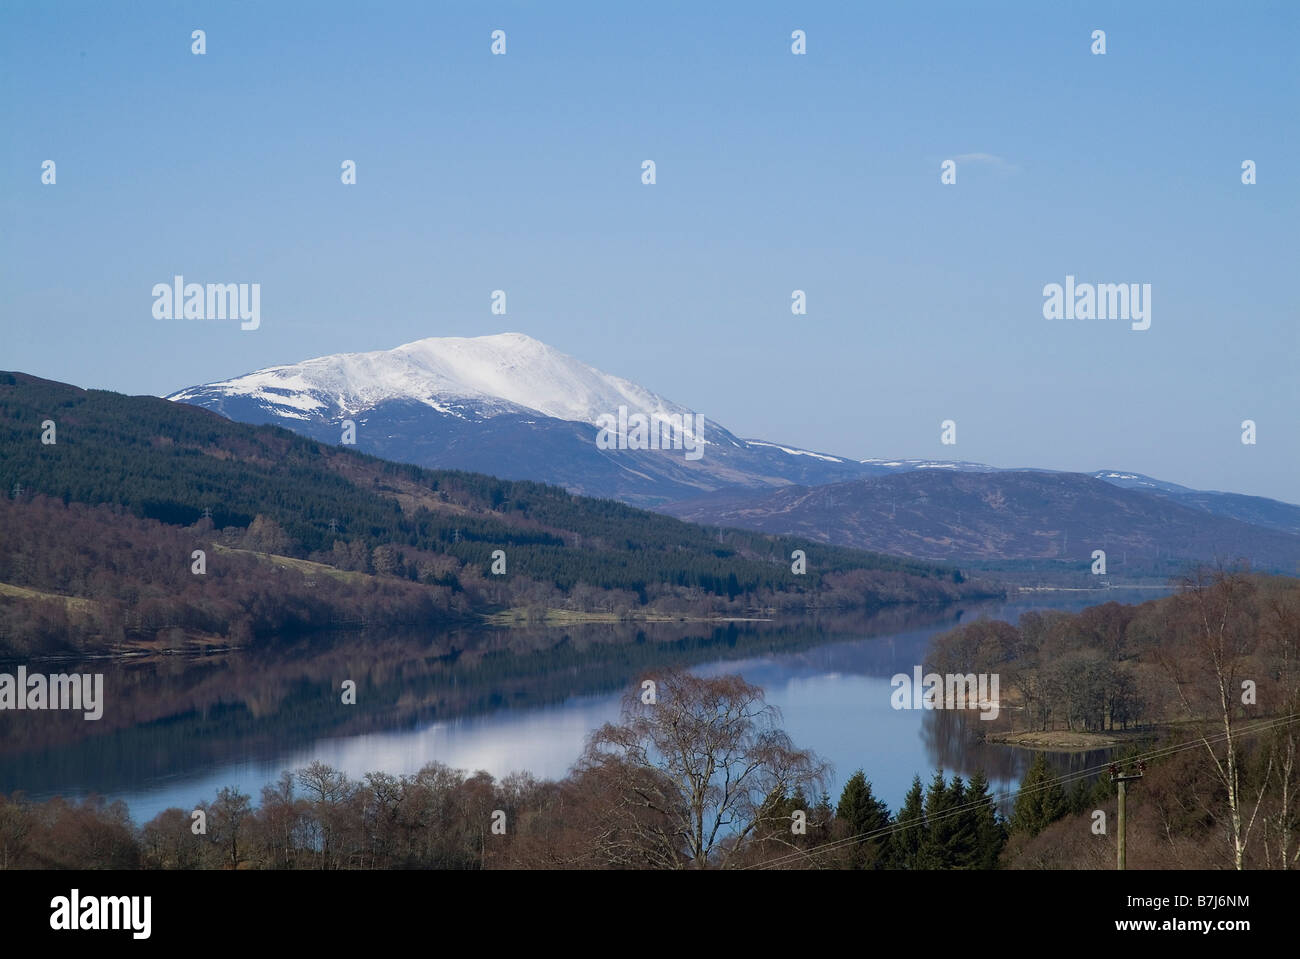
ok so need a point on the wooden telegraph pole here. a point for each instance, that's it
(1121, 781)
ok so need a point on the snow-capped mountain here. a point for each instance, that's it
(517, 408)
(473, 378)
(513, 407)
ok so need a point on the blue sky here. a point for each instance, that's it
(775, 172)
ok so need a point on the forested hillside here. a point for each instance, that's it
(1204, 684)
(98, 530)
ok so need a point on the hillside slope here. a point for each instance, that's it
(113, 509)
(1026, 515)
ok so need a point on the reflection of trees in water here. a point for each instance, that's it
(952, 742)
(175, 714)
(447, 673)
(953, 738)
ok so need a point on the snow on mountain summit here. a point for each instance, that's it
(507, 405)
(504, 372)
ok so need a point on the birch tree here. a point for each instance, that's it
(683, 780)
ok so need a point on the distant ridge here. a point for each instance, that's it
(513, 407)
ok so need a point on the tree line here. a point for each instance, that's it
(98, 527)
(644, 794)
(1213, 667)
(697, 773)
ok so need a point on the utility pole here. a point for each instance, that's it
(1121, 781)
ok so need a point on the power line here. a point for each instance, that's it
(998, 797)
(1260, 726)
(1162, 752)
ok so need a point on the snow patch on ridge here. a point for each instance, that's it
(506, 372)
(786, 449)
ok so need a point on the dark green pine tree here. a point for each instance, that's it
(862, 813)
(1103, 791)
(1041, 800)
(1080, 799)
(950, 829)
(990, 830)
(799, 803)
(903, 851)
(774, 816)
(821, 820)
(961, 846)
(936, 802)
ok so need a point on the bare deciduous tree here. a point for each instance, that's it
(1212, 639)
(682, 782)
(1281, 635)
(226, 818)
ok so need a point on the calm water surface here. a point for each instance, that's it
(177, 729)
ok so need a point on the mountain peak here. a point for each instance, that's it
(479, 376)
(513, 406)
